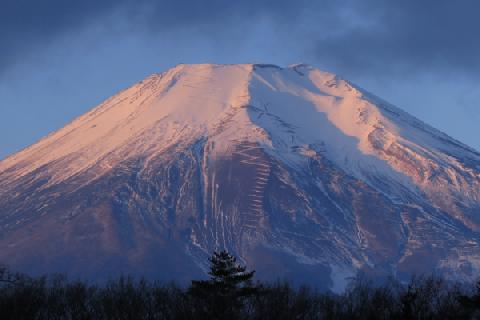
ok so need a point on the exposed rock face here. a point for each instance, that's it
(296, 171)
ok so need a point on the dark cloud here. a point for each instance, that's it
(349, 36)
(26, 25)
(410, 36)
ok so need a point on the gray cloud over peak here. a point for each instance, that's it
(352, 36)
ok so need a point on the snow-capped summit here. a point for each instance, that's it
(297, 171)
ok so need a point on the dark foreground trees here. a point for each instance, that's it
(229, 293)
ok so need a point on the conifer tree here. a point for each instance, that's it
(223, 295)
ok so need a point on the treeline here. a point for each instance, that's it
(231, 294)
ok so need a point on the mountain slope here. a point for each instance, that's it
(297, 171)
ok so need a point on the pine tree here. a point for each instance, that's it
(224, 294)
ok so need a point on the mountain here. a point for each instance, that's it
(298, 172)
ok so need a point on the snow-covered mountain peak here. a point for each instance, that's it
(291, 167)
(284, 108)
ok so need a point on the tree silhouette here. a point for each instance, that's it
(224, 294)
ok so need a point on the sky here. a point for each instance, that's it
(60, 58)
